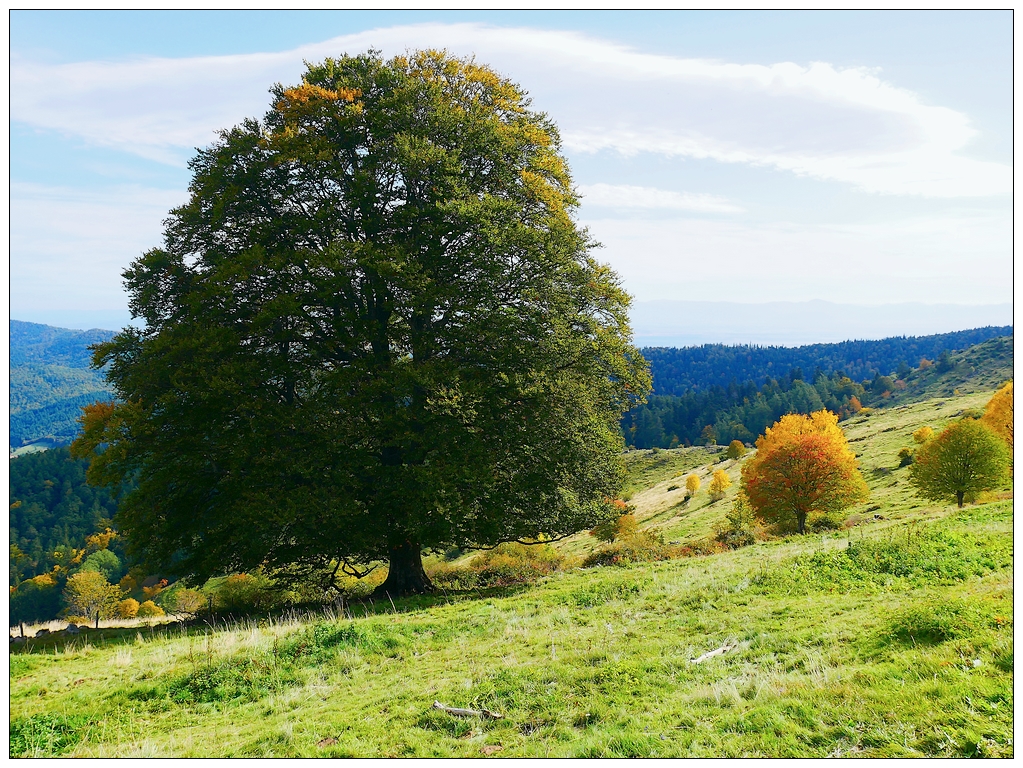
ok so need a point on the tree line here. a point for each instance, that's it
(741, 412)
(53, 509)
(678, 371)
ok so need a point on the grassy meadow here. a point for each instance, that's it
(890, 637)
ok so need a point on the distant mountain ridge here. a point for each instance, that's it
(45, 344)
(51, 380)
(677, 371)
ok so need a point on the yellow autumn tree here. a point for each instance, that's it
(88, 593)
(923, 434)
(719, 482)
(692, 484)
(803, 465)
(998, 413)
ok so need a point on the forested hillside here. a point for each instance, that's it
(689, 369)
(51, 507)
(51, 380)
(720, 414)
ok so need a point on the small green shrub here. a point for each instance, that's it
(742, 528)
(244, 679)
(823, 523)
(905, 457)
(322, 640)
(736, 450)
(446, 576)
(935, 622)
(242, 593)
(46, 734)
(604, 592)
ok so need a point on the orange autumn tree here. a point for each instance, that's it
(803, 464)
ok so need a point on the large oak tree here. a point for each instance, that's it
(374, 328)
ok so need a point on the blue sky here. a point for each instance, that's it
(848, 157)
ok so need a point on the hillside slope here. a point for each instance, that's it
(51, 380)
(890, 638)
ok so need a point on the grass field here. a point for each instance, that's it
(889, 638)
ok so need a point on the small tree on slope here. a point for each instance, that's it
(963, 460)
(803, 464)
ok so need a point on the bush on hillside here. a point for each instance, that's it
(618, 528)
(504, 565)
(905, 457)
(149, 610)
(936, 621)
(127, 609)
(825, 522)
(742, 527)
(241, 593)
(736, 450)
(719, 483)
(515, 563)
(641, 547)
(922, 435)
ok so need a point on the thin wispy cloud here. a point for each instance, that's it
(651, 198)
(819, 121)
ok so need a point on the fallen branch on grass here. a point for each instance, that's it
(457, 712)
(711, 654)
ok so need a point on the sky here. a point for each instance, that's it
(849, 157)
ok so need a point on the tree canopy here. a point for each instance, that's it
(966, 458)
(803, 464)
(375, 327)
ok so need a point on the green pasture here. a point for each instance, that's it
(887, 638)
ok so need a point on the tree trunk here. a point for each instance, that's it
(801, 519)
(405, 574)
(959, 498)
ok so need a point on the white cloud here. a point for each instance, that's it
(846, 125)
(626, 196)
(69, 247)
(953, 259)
